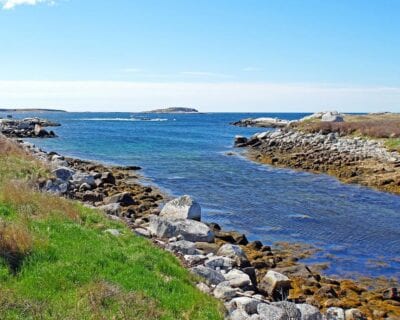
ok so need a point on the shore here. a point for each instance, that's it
(117, 192)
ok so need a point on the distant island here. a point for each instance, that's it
(31, 110)
(173, 110)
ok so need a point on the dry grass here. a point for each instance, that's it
(368, 128)
(31, 204)
(15, 243)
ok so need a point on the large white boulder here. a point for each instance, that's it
(190, 230)
(276, 285)
(182, 208)
(237, 278)
(234, 252)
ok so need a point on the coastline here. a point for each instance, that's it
(262, 259)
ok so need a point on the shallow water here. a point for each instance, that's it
(186, 154)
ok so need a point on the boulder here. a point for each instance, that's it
(210, 275)
(239, 315)
(183, 247)
(224, 291)
(334, 313)
(219, 262)
(107, 177)
(276, 285)
(190, 230)
(80, 178)
(124, 199)
(113, 209)
(238, 279)
(309, 312)
(182, 208)
(246, 304)
(240, 141)
(63, 173)
(234, 252)
(290, 308)
(332, 117)
(391, 294)
(271, 312)
(354, 314)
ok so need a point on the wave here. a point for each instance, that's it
(122, 119)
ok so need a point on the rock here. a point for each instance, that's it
(182, 208)
(142, 232)
(290, 309)
(194, 259)
(248, 305)
(224, 291)
(276, 285)
(332, 117)
(124, 199)
(203, 287)
(111, 209)
(391, 294)
(234, 252)
(335, 314)
(183, 247)
(80, 178)
(190, 230)
(239, 315)
(309, 312)
(238, 279)
(240, 141)
(271, 312)
(93, 197)
(354, 314)
(219, 262)
(107, 177)
(63, 173)
(210, 275)
(232, 237)
(207, 247)
(113, 232)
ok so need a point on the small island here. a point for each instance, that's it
(173, 110)
(30, 110)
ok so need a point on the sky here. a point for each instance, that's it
(214, 55)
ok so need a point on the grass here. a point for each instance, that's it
(57, 262)
(393, 144)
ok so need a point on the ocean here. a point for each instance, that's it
(358, 229)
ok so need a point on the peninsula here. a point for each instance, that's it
(173, 110)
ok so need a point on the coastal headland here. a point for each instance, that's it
(253, 280)
(360, 149)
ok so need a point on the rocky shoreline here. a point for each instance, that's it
(27, 128)
(253, 280)
(351, 159)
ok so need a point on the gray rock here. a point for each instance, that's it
(182, 208)
(234, 252)
(190, 230)
(113, 232)
(290, 308)
(219, 262)
(210, 275)
(239, 314)
(63, 173)
(335, 314)
(142, 232)
(332, 117)
(224, 291)
(270, 312)
(354, 314)
(111, 209)
(183, 247)
(124, 199)
(194, 259)
(248, 305)
(309, 312)
(276, 285)
(238, 279)
(80, 178)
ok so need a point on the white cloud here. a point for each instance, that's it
(10, 4)
(208, 97)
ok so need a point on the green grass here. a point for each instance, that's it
(69, 268)
(393, 144)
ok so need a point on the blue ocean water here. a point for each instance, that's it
(187, 154)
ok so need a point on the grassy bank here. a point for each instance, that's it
(57, 261)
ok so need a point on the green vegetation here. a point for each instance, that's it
(57, 261)
(393, 144)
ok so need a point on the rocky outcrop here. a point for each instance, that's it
(353, 160)
(27, 128)
(262, 123)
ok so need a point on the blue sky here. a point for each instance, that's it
(248, 55)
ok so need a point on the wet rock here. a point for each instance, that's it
(234, 252)
(240, 141)
(276, 285)
(190, 230)
(210, 275)
(182, 208)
